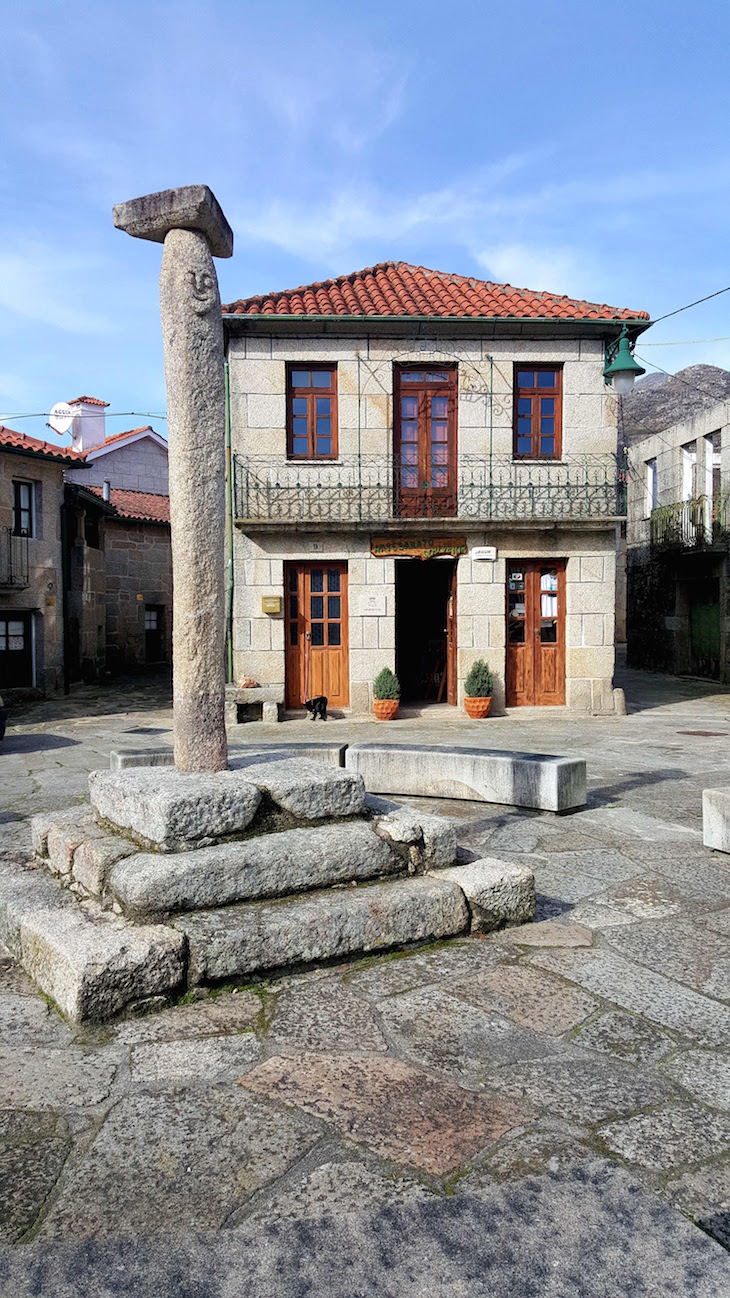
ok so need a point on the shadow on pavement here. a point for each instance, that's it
(612, 792)
(34, 743)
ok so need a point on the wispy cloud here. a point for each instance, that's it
(41, 283)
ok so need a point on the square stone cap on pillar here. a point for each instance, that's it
(192, 207)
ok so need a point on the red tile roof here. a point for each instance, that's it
(395, 288)
(32, 446)
(119, 437)
(89, 401)
(141, 506)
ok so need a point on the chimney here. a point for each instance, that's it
(106, 490)
(88, 429)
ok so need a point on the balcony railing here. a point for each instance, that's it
(368, 489)
(13, 560)
(691, 524)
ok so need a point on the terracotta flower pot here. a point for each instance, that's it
(477, 708)
(385, 709)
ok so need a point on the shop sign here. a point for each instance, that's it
(482, 552)
(422, 547)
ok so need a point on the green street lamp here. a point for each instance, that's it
(621, 369)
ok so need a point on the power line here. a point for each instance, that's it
(703, 392)
(688, 342)
(680, 309)
(108, 414)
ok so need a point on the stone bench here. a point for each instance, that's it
(716, 819)
(260, 703)
(477, 774)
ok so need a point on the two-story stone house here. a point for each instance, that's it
(425, 473)
(678, 543)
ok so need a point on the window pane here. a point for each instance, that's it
(333, 579)
(439, 431)
(293, 578)
(548, 579)
(439, 407)
(525, 378)
(294, 634)
(524, 445)
(317, 579)
(293, 607)
(324, 427)
(15, 628)
(318, 633)
(547, 405)
(333, 633)
(517, 632)
(439, 477)
(517, 580)
(409, 407)
(438, 376)
(324, 405)
(547, 425)
(547, 445)
(333, 606)
(409, 432)
(324, 446)
(412, 376)
(409, 453)
(546, 379)
(549, 632)
(300, 446)
(301, 378)
(524, 405)
(299, 406)
(322, 379)
(440, 453)
(3, 640)
(516, 604)
(317, 606)
(409, 478)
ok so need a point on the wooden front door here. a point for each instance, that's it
(316, 634)
(425, 442)
(535, 632)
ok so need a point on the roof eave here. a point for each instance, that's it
(29, 453)
(490, 326)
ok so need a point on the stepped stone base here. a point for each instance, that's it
(243, 940)
(104, 926)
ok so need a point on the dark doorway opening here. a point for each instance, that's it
(154, 633)
(704, 627)
(425, 612)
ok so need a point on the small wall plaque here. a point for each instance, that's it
(481, 552)
(271, 603)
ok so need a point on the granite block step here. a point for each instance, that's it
(272, 865)
(238, 941)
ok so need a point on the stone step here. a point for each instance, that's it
(239, 941)
(91, 963)
(331, 752)
(272, 865)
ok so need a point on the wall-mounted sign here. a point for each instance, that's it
(481, 552)
(371, 603)
(417, 547)
(271, 603)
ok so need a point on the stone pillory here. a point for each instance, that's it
(190, 223)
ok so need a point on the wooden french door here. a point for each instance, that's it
(425, 441)
(316, 633)
(535, 632)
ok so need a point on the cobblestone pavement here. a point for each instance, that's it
(544, 1111)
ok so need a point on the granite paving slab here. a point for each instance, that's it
(646, 897)
(704, 1195)
(169, 1161)
(323, 1015)
(705, 1073)
(199, 1061)
(443, 1032)
(41, 1077)
(396, 974)
(219, 1014)
(533, 999)
(550, 932)
(334, 1190)
(678, 949)
(642, 992)
(395, 1110)
(549, 1145)
(678, 1133)
(30, 1021)
(625, 1036)
(579, 1090)
(33, 1150)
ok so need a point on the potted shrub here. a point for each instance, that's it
(478, 690)
(386, 695)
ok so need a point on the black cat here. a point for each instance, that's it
(316, 707)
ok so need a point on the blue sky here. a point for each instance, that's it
(577, 147)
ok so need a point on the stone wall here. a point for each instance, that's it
(138, 572)
(133, 466)
(44, 594)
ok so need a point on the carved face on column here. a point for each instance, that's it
(204, 291)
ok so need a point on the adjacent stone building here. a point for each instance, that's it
(678, 526)
(425, 473)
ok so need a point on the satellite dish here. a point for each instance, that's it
(61, 417)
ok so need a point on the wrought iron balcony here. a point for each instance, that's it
(13, 560)
(691, 524)
(371, 489)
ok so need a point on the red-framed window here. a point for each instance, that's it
(311, 400)
(538, 412)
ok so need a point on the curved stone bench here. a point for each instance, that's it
(479, 774)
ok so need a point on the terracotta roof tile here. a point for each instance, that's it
(120, 437)
(140, 506)
(395, 288)
(89, 401)
(49, 450)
